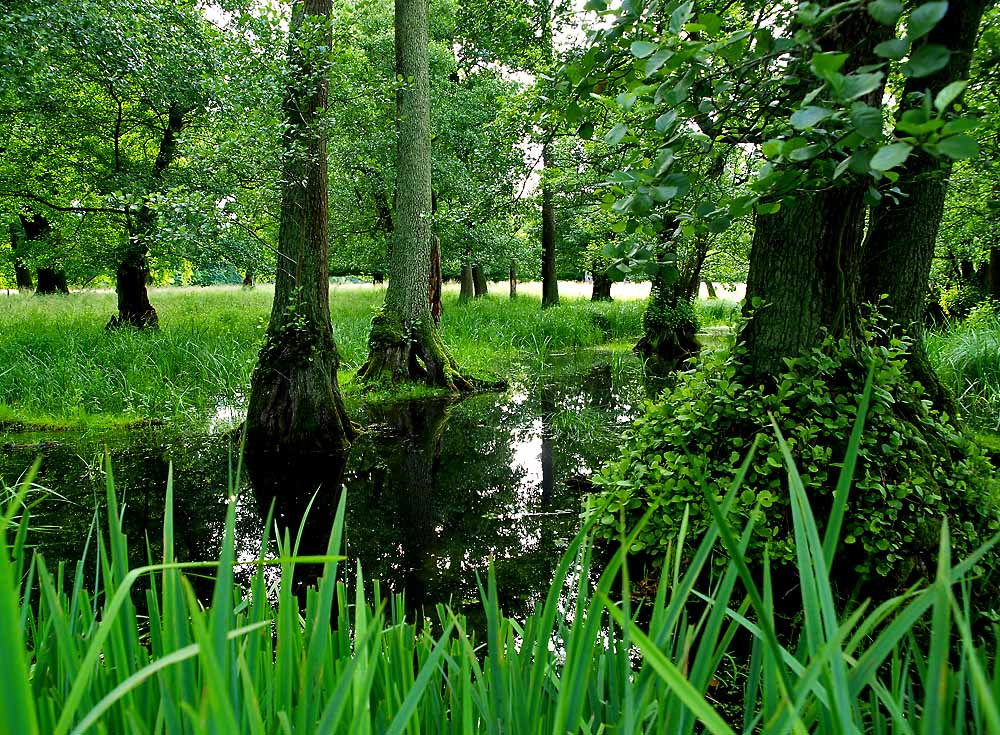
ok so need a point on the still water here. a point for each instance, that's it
(436, 489)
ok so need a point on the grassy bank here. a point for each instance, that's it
(58, 366)
(967, 357)
(708, 656)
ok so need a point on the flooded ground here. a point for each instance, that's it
(436, 489)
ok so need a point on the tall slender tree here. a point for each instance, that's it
(295, 405)
(404, 342)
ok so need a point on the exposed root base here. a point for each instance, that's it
(140, 320)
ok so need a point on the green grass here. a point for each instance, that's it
(967, 358)
(587, 660)
(59, 368)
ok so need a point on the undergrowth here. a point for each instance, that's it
(79, 658)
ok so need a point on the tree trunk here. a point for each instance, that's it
(404, 342)
(51, 281)
(602, 286)
(248, 280)
(710, 288)
(513, 278)
(479, 282)
(468, 285)
(435, 285)
(803, 277)
(550, 285)
(132, 275)
(668, 323)
(295, 407)
(899, 248)
(993, 273)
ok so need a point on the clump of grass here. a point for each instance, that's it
(967, 358)
(61, 368)
(717, 312)
(253, 661)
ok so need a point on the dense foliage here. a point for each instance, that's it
(689, 443)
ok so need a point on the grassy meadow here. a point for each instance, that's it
(58, 365)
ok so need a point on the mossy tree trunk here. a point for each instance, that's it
(668, 323)
(550, 283)
(468, 290)
(404, 343)
(899, 248)
(295, 407)
(435, 284)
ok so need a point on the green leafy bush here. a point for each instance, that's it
(914, 467)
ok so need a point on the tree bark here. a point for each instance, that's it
(899, 248)
(513, 278)
(248, 280)
(550, 284)
(404, 343)
(295, 405)
(602, 286)
(479, 281)
(710, 288)
(468, 285)
(51, 281)
(803, 277)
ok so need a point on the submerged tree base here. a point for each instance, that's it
(295, 405)
(397, 353)
(669, 336)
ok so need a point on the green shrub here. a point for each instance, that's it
(914, 466)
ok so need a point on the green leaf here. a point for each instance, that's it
(771, 148)
(959, 147)
(712, 23)
(928, 59)
(826, 65)
(948, 95)
(663, 193)
(886, 12)
(924, 18)
(768, 208)
(719, 224)
(867, 120)
(894, 49)
(586, 130)
(642, 49)
(806, 153)
(890, 156)
(809, 117)
(666, 121)
(858, 85)
(657, 60)
(615, 135)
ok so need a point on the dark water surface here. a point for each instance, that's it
(436, 489)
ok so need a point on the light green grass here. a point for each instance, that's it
(252, 660)
(967, 358)
(59, 367)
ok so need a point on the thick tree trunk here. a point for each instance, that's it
(479, 281)
(22, 274)
(803, 277)
(899, 248)
(602, 286)
(248, 280)
(404, 342)
(49, 280)
(435, 284)
(993, 273)
(468, 286)
(513, 278)
(710, 288)
(295, 405)
(550, 284)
